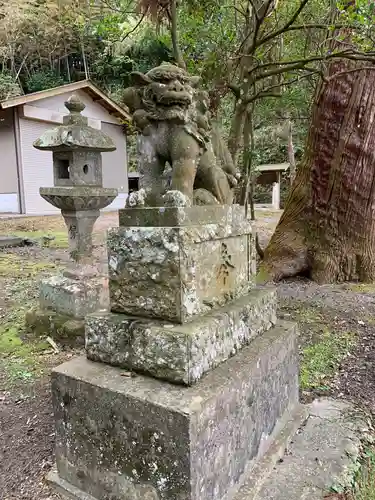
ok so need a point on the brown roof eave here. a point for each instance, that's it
(84, 85)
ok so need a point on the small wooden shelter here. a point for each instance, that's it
(271, 174)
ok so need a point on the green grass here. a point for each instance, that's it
(14, 266)
(12, 344)
(19, 355)
(321, 360)
(361, 287)
(365, 484)
(60, 237)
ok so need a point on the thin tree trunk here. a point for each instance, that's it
(174, 34)
(87, 75)
(248, 142)
(68, 68)
(328, 225)
(236, 130)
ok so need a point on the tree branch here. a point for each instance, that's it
(301, 64)
(304, 60)
(135, 27)
(235, 89)
(237, 9)
(318, 27)
(124, 10)
(258, 22)
(255, 10)
(354, 70)
(286, 26)
(267, 91)
(262, 95)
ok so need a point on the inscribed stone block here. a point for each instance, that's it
(178, 272)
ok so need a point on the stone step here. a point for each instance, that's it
(322, 456)
(11, 241)
(180, 353)
(73, 297)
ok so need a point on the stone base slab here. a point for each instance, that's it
(128, 438)
(73, 297)
(287, 428)
(225, 215)
(65, 329)
(11, 241)
(180, 353)
(323, 457)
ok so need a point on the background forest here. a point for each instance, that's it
(45, 43)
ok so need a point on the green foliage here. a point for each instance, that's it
(207, 35)
(112, 70)
(43, 80)
(132, 153)
(361, 15)
(8, 87)
(113, 66)
(149, 51)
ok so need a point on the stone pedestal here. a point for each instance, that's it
(180, 353)
(189, 377)
(140, 438)
(178, 263)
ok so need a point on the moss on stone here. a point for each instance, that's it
(61, 328)
(262, 276)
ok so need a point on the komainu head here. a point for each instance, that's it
(166, 92)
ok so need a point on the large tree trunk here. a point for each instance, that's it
(291, 155)
(328, 225)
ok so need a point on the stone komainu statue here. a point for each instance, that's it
(172, 118)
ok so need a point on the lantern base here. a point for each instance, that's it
(66, 330)
(64, 301)
(73, 296)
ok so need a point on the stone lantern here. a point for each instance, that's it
(77, 166)
(79, 193)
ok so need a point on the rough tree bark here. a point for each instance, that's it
(328, 225)
(291, 156)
